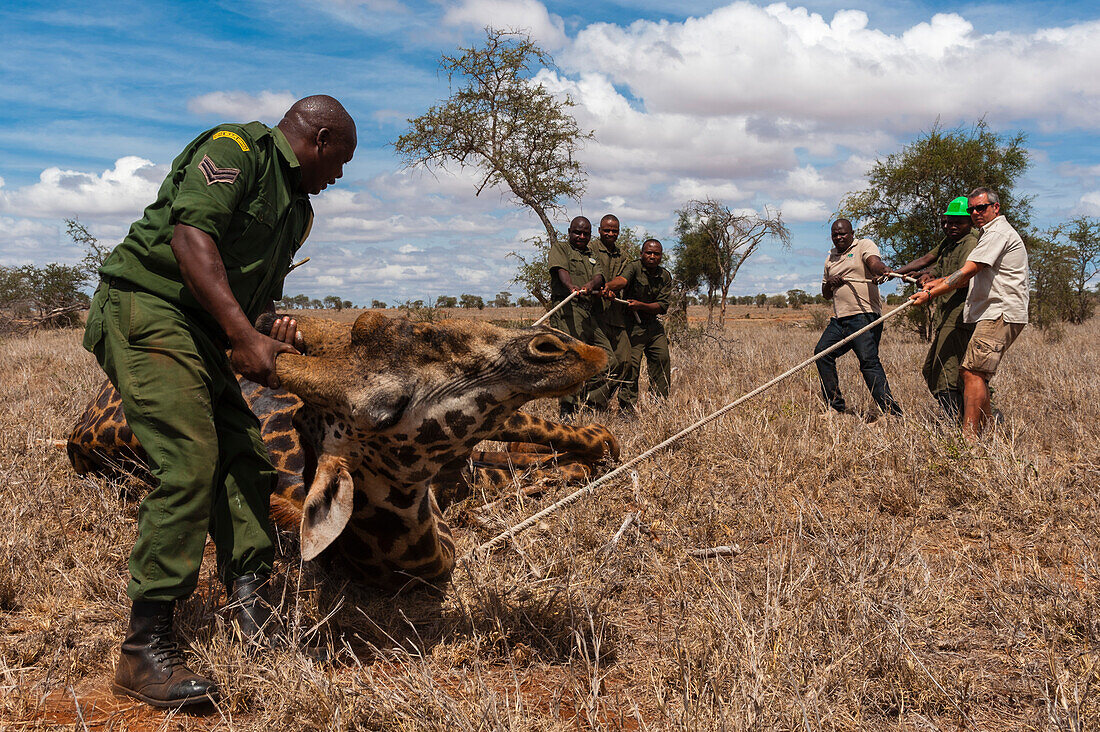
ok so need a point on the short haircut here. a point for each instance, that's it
(843, 221)
(990, 194)
(611, 217)
(653, 241)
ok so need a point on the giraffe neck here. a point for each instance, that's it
(396, 529)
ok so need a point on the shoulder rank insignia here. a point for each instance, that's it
(232, 136)
(214, 174)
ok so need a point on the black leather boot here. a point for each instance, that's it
(151, 667)
(249, 608)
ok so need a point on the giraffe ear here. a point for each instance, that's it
(327, 507)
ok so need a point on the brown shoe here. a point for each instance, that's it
(151, 667)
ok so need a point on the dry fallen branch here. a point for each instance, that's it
(610, 546)
(730, 550)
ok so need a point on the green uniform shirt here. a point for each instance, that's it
(239, 184)
(581, 264)
(612, 263)
(950, 258)
(647, 286)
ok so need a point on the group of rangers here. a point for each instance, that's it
(616, 307)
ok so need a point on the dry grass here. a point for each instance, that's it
(889, 576)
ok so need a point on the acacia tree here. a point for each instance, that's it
(908, 190)
(1050, 265)
(94, 252)
(725, 240)
(694, 268)
(497, 120)
(1078, 241)
(533, 274)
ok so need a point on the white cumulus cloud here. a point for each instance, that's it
(787, 61)
(267, 106)
(804, 210)
(125, 189)
(546, 29)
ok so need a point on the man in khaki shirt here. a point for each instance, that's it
(849, 283)
(997, 271)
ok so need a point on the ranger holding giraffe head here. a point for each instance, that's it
(188, 281)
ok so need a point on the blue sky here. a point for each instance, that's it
(784, 105)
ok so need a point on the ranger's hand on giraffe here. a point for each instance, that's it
(285, 329)
(253, 357)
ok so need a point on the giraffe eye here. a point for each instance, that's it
(382, 408)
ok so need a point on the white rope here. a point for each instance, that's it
(573, 497)
(556, 308)
(905, 277)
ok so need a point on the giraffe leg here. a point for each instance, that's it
(592, 440)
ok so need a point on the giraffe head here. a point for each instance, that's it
(389, 402)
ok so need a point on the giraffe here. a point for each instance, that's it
(376, 423)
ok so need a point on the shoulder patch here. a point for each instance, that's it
(213, 174)
(232, 136)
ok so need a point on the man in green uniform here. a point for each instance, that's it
(647, 288)
(188, 281)
(611, 318)
(574, 268)
(951, 334)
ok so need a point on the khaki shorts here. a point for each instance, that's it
(990, 340)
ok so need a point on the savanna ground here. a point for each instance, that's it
(884, 576)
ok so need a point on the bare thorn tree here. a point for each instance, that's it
(497, 120)
(731, 238)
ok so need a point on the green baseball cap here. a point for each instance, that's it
(957, 207)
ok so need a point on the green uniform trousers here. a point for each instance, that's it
(615, 341)
(647, 340)
(210, 467)
(941, 366)
(577, 320)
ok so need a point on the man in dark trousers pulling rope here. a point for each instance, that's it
(849, 282)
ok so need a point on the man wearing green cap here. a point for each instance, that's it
(188, 281)
(951, 332)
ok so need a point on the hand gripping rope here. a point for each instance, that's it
(556, 308)
(591, 487)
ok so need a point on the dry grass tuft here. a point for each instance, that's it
(887, 575)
